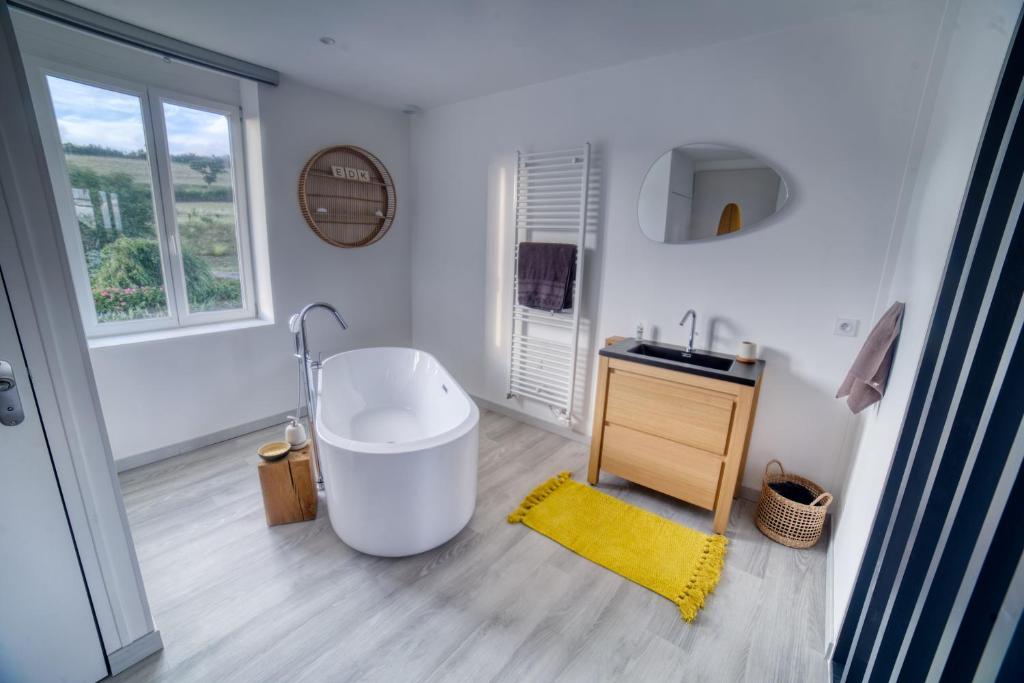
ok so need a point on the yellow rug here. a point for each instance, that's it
(678, 563)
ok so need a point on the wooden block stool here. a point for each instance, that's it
(289, 494)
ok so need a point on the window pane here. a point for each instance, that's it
(112, 189)
(200, 148)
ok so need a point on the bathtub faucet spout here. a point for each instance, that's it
(297, 324)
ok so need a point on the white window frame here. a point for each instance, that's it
(151, 100)
(159, 96)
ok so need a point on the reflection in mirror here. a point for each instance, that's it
(699, 191)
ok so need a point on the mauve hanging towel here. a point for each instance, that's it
(865, 382)
(546, 273)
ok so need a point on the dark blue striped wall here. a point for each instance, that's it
(949, 531)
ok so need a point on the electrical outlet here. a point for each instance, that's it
(846, 327)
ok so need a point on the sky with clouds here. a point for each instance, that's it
(87, 115)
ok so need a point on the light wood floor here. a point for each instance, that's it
(237, 601)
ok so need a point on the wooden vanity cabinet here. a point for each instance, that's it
(682, 434)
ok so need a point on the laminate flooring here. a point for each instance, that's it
(238, 601)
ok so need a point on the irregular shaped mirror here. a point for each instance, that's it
(695, 192)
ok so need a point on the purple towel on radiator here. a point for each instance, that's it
(546, 272)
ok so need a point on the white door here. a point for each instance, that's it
(47, 629)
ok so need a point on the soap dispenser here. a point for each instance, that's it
(295, 433)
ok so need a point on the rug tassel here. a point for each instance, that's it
(704, 579)
(537, 495)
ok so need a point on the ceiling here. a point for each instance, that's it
(395, 53)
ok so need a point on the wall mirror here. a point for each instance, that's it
(700, 191)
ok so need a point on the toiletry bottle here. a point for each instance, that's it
(295, 433)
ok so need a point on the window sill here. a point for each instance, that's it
(175, 333)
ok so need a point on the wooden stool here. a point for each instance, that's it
(289, 494)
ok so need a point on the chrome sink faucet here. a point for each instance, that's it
(692, 316)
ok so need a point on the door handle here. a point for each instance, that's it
(11, 413)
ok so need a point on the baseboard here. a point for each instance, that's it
(531, 420)
(750, 493)
(157, 454)
(830, 597)
(135, 652)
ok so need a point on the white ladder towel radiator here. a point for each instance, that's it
(551, 190)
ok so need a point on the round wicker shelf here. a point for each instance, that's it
(347, 196)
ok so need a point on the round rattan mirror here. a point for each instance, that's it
(347, 196)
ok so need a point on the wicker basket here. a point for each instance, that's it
(787, 521)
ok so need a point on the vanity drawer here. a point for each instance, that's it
(673, 468)
(697, 417)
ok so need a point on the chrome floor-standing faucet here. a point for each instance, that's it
(307, 372)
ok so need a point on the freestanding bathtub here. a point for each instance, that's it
(398, 448)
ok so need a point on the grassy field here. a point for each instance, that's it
(138, 169)
(208, 230)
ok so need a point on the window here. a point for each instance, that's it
(150, 190)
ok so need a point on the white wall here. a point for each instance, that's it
(159, 393)
(977, 35)
(831, 105)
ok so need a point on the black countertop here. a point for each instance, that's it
(739, 373)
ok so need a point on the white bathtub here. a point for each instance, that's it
(398, 448)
